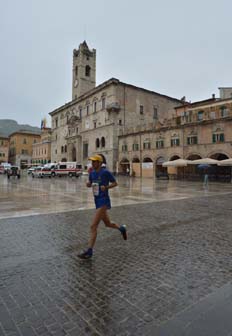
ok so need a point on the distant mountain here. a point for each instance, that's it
(8, 126)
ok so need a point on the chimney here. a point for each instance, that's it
(213, 95)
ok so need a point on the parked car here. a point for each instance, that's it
(37, 172)
(3, 167)
(13, 171)
(30, 170)
(162, 175)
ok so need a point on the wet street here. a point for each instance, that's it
(172, 276)
(32, 196)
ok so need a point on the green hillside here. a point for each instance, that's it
(8, 126)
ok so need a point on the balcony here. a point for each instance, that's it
(113, 107)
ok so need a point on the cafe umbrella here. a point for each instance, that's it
(176, 163)
(227, 163)
(204, 164)
(207, 161)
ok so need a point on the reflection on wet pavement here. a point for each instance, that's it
(29, 196)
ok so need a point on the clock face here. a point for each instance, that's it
(76, 83)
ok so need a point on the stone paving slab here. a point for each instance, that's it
(211, 316)
(177, 254)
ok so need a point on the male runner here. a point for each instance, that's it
(101, 180)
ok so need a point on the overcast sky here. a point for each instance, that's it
(174, 47)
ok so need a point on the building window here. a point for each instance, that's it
(200, 115)
(94, 124)
(141, 109)
(120, 122)
(218, 137)
(178, 120)
(192, 140)
(124, 148)
(87, 71)
(135, 147)
(62, 149)
(212, 115)
(24, 141)
(146, 145)
(95, 107)
(103, 103)
(56, 122)
(85, 150)
(224, 111)
(87, 110)
(76, 70)
(175, 142)
(80, 112)
(97, 143)
(155, 113)
(103, 142)
(160, 143)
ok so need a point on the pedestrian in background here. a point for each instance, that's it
(101, 180)
(206, 179)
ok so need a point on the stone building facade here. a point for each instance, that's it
(198, 130)
(41, 150)
(20, 149)
(93, 121)
(4, 149)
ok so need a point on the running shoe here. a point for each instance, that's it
(85, 255)
(123, 230)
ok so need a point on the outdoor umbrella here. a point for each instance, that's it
(208, 161)
(228, 163)
(203, 166)
(176, 163)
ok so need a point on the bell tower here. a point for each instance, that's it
(84, 70)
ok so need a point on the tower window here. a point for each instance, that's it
(155, 113)
(87, 70)
(97, 143)
(95, 106)
(103, 103)
(76, 70)
(141, 109)
(103, 142)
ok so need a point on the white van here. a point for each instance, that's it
(67, 169)
(4, 166)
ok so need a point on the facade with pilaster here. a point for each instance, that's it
(196, 130)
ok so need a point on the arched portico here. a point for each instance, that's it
(147, 167)
(174, 157)
(136, 167)
(220, 173)
(124, 165)
(74, 154)
(160, 171)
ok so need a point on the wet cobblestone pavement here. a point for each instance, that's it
(178, 252)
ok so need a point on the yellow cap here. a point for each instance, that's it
(96, 158)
